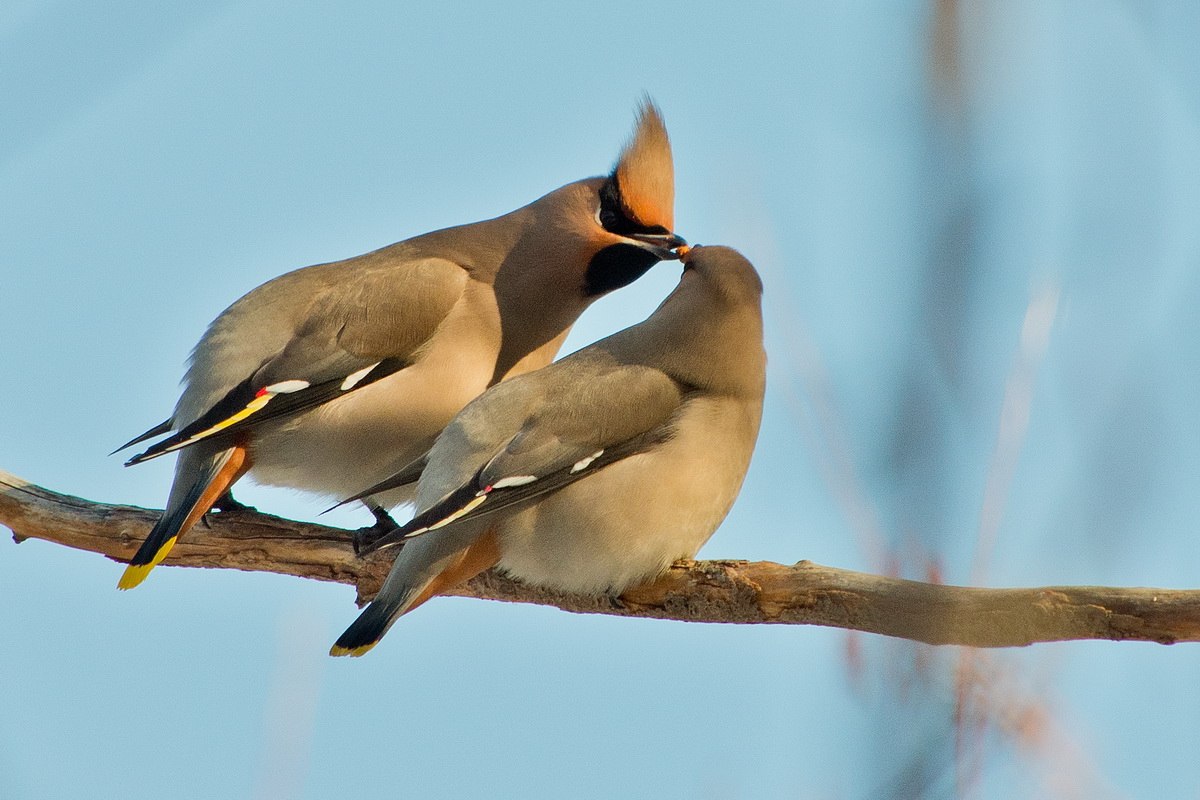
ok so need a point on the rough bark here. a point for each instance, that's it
(699, 591)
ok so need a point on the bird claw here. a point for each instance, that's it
(227, 505)
(363, 538)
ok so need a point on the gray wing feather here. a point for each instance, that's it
(320, 324)
(583, 408)
(537, 433)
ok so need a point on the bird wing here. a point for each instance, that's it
(580, 423)
(361, 328)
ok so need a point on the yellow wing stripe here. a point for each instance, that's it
(467, 509)
(257, 404)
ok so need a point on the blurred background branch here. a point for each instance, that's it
(701, 591)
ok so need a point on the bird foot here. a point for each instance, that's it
(363, 538)
(227, 505)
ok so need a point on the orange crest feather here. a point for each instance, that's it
(645, 172)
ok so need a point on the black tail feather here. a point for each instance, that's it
(366, 631)
(162, 536)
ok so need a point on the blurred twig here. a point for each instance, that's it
(701, 591)
(1015, 411)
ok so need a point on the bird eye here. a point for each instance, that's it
(607, 217)
(609, 213)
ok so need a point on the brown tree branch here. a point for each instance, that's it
(700, 591)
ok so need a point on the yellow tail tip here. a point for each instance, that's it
(136, 573)
(133, 575)
(353, 652)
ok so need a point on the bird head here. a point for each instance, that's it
(726, 271)
(635, 208)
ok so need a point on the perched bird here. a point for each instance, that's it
(330, 377)
(597, 472)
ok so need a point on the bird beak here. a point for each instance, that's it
(661, 244)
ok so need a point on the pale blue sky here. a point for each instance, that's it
(156, 163)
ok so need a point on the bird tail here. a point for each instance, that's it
(205, 487)
(425, 568)
(366, 631)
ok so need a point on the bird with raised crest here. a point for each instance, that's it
(328, 378)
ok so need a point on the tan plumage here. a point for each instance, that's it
(331, 377)
(598, 471)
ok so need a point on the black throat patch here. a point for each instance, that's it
(616, 266)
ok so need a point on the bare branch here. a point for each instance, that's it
(700, 591)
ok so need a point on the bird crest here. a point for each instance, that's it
(645, 172)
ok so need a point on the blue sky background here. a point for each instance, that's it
(977, 228)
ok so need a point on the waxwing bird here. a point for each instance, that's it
(331, 377)
(596, 472)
